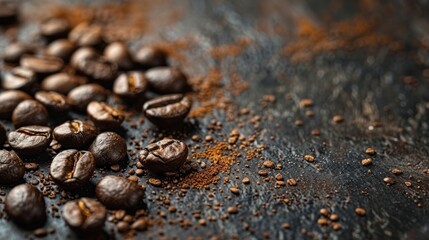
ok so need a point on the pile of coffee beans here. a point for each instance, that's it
(76, 72)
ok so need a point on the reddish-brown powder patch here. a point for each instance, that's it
(230, 50)
(125, 21)
(209, 93)
(175, 49)
(311, 39)
(221, 157)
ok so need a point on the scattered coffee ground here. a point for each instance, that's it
(221, 156)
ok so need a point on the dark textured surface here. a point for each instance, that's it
(359, 85)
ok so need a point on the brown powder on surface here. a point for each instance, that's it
(174, 49)
(311, 39)
(230, 50)
(236, 85)
(221, 157)
(124, 21)
(113, 18)
(254, 152)
(209, 93)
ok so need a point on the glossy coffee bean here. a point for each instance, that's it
(8, 12)
(167, 111)
(29, 112)
(15, 51)
(72, 169)
(55, 28)
(54, 102)
(19, 78)
(61, 48)
(104, 116)
(25, 205)
(86, 35)
(75, 134)
(3, 136)
(130, 85)
(108, 148)
(12, 168)
(30, 140)
(150, 57)
(81, 54)
(166, 80)
(61, 83)
(118, 53)
(43, 65)
(117, 192)
(9, 100)
(84, 215)
(81, 96)
(98, 69)
(167, 155)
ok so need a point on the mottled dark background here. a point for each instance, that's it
(365, 85)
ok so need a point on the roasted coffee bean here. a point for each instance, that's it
(167, 155)
(8, 12)
(75, 134)
(167, 111)
(85, 35)
(61, 83)
(19, 78)
(61, 48)
(166, 80)
(55, 28)
(30, 140)
(118, 53)
(54, 102)
(81, 96)
(149, 57)
(29, 112)
(98, 69)
(104, 116)
(12, 168)
(82, 54)
(15, 51)
(25, 205)
(43, 65)
(72, 169)
(130, 85)
(108, 148)
(9, 100)
(3, 136)
(84, 215)
(116, 192)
